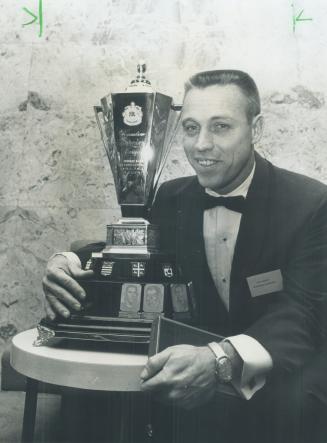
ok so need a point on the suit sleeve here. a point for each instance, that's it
(294, 325)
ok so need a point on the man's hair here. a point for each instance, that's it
(223, 77)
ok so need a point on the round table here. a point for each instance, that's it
(82, 369)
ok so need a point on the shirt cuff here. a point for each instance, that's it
(257, 362)
(71, 256)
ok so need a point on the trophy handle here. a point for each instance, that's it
(102, 127)
(177, 110)
(176, 107)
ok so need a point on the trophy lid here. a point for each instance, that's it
(140, 83)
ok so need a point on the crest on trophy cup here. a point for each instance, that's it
(132, 115)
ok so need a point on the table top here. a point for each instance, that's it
(84, 369)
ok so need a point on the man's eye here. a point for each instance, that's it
(220, 127)
(191, 129)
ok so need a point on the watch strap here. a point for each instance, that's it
(224, 369)
(217, 350)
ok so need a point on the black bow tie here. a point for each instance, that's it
(236, 204)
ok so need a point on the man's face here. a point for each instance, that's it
(218, 137)
(152, 294)
(131, 291)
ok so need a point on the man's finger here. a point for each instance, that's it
(155, 364)
(192, 398)
(57, 306)
(64, 296)
(186, 397)
(63, 279)
(49, 311)
(78, 272)
(169, 396)
(155, 383)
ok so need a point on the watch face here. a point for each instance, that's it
(224, 370)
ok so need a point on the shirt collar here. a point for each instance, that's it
(241, 190)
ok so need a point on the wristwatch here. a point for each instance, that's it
(224, 369)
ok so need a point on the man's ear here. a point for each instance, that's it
(257, 128)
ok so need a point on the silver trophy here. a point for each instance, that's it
(135, 279)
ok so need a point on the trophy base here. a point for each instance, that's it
(105, 330)
(120, 312)
(133, 283)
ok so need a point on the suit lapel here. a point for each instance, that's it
(252, 234)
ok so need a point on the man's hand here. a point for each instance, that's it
(62, 292)
(182, 374)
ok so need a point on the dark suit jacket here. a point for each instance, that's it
(283, 227)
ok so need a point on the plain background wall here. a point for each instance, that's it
(55, 181)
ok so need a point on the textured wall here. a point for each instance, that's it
(55, 183)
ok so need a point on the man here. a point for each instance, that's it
(257, 262)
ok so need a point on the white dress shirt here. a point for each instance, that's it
(220, 231)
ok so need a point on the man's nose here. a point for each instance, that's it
(204, 140)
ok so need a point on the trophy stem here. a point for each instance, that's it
(135, 211)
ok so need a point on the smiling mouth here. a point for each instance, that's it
(207, 163)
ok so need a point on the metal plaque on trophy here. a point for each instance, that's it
(134, 280)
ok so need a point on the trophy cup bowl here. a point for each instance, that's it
(135, 280)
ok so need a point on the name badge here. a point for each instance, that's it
(265, 283)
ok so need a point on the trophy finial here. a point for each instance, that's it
(140, 83)
(141, 67)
